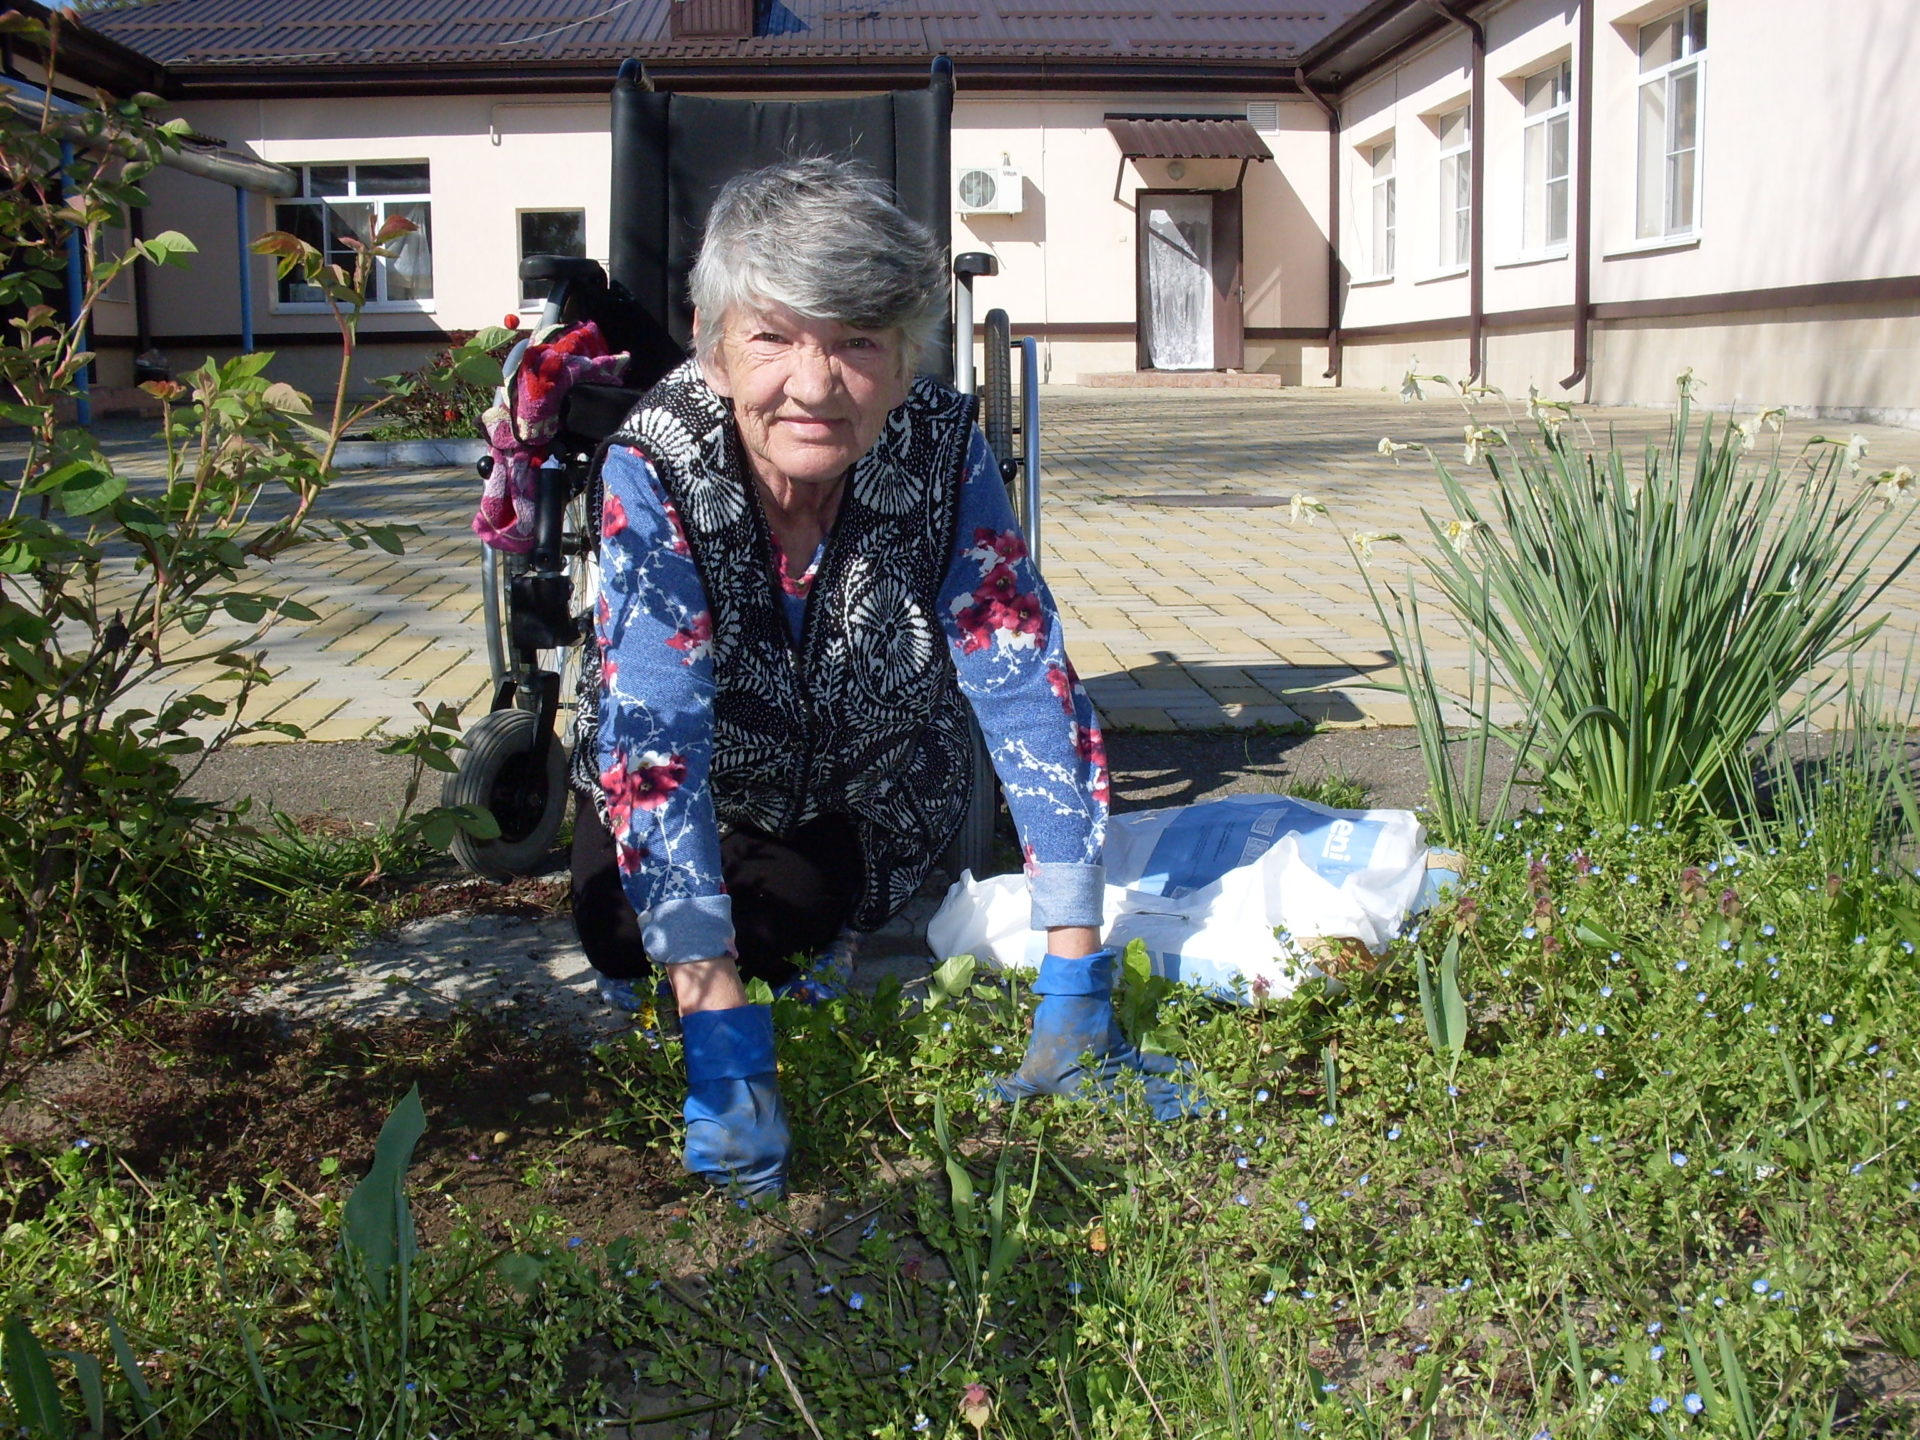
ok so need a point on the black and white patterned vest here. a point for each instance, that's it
(864, 717)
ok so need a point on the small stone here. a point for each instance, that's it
(500, 1137)
(539, 1097)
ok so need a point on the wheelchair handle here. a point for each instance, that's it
(574, 268)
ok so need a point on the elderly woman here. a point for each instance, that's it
(810, 579)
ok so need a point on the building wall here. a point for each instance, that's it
(1807, 181)
(1067, 259)
(489, 160)
(1803, 184)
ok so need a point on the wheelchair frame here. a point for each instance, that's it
(538, 608)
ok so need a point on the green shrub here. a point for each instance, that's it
(444, 398)
(1651, 615)
(109, 583)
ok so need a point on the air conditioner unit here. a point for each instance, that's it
(988, 190)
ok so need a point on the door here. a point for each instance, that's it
(1177, 280)
(1189, 281)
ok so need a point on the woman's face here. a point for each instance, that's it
(810, 396)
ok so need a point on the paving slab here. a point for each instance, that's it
(1192, 596)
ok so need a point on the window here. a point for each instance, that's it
(1456, 187)
(1380, 157)
(1672, 65)
(550, 232)
(1545, 137)
(341, 201)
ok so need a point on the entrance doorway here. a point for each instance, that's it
(1189, 280)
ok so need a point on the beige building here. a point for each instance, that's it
(1586, 196)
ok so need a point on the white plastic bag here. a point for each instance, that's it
(1205, 887)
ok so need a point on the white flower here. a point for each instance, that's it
(1480, 439)
(1459, 532)
(1410, 390)
(1852, 450)
(1547, 412)
(1365, 540)
(1305, 505)
(1896, 483)
(1392, 448)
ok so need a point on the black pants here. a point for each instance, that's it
(790, 897)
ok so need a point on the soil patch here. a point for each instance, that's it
(501, 1039)
(352, 781)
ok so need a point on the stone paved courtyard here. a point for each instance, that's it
(1182, 615)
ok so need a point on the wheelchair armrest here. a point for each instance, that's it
(564, 267)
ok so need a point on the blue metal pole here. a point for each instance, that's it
(76, 294)
(246, 276)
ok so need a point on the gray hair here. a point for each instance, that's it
(825, 238)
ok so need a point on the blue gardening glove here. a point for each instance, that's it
(1075, 1018)
(737, 1132)
(828, 977)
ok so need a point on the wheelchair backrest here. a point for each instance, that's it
(672, 153)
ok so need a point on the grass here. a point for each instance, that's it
(1618, 1142)
(1335, 790)
(1660, 1159)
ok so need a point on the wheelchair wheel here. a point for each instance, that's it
(512, 770)
(996, 395)
(973, 846)
(497, 569)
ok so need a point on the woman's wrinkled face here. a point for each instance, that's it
(810, 396)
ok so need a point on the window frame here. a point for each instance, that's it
(536, 302)
(1454, 177)
(377, 204)
(1690, 62)
(1383, 225)
(1558, 115)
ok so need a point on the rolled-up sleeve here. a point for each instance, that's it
(1039, 724)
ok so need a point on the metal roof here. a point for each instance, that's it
(205, 36)
(1187, 137)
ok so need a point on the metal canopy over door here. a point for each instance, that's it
(1189, 280)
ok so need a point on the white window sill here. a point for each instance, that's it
(1654, 245)
(1452, 272)
(1542, 257)
(1368, 281)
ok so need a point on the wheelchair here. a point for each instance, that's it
(671, 155)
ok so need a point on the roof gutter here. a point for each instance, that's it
(1335, 293)
(740, 74)
(1477, 183)
(1314, 59)
(208, 161)
(1583, 203)
(83, 55)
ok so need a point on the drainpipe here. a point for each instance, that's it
(1334, 297)
(142, 301)
(1583, 202)
(242, 241)
(76, 296)
(1477, 186)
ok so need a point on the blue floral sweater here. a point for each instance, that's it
(655, 634)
